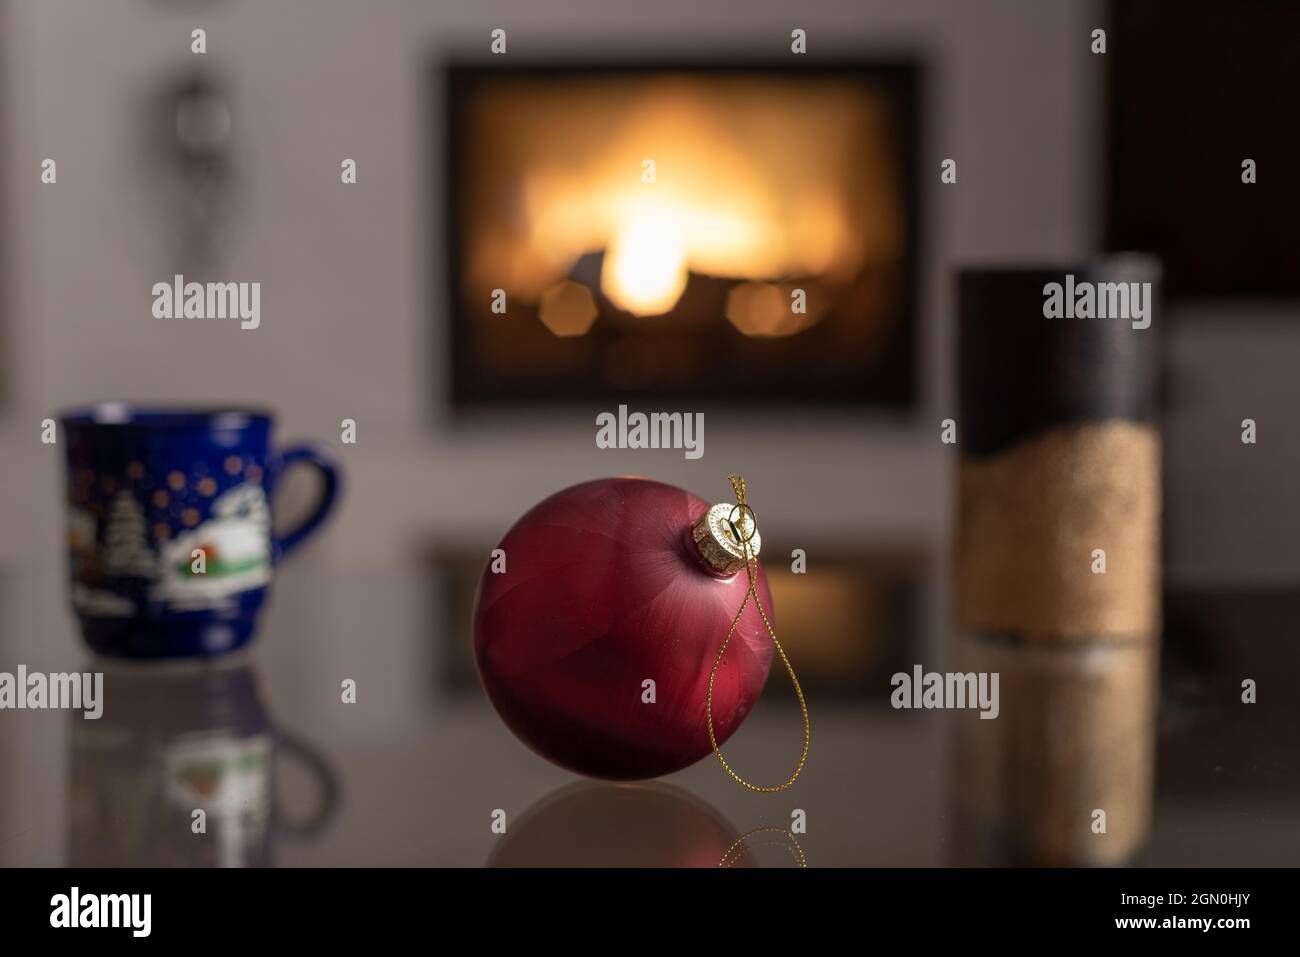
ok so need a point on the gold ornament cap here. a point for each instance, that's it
(721, 534)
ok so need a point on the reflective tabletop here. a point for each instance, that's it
(419, 770)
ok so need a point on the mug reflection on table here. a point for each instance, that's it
(170, 541)
(177, 740)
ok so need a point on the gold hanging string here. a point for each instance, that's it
(744, 533)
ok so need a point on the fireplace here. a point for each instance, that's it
(736, 233)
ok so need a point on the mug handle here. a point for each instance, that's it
(322, 460)
(327, 781)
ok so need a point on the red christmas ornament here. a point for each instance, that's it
(608, 585)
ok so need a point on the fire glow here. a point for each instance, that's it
(761, 182)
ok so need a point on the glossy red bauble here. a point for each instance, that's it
(604, 590)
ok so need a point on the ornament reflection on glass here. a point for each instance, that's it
(624, 628)
(622, 825)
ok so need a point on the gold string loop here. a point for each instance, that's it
(788, 840)
(751, 571)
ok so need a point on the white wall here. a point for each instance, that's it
(352, 317)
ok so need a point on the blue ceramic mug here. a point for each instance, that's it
(170, 541)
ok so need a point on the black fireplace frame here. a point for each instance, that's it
(891, 384)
